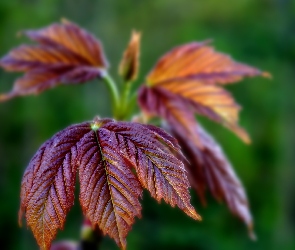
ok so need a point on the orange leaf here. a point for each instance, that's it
(208, 168)
(104, 152)
(192, 72)
(72, 38)
(129, 65)
(199, 62)
(66, 54)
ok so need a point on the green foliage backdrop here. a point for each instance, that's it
(260, 33)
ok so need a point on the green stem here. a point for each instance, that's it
(122, 101)
(114, 94)
(125, 100)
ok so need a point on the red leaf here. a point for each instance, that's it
(47, 191)
(109, 190)
(66, 54)
(208, 168)
(192, 72)
(105, 152)
(174, 109)
(150, 150)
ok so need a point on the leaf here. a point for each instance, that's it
(47, 191)
(109, 190)
(193, 72)
(128, 68)
(208, 168)
(200, 62)
(150, 150)
(174, 109)
(65, 54)
(104, 152)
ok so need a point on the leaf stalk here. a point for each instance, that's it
(112, 87)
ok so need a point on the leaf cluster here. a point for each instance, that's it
(116, 159)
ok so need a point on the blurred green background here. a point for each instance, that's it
(258, 32)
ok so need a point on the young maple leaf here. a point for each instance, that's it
(65, 54)
(185, 81)
(208, 168)
(104, 153)
(128, 68)
(193, 73)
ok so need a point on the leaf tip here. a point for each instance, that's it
(123, 245)
(136, 36)
(266, 75)
(64, 20)
(19, 33)
(193, 214)
(252, 235)
(198, 217)
(246, 139)
(251, 232)
(241, 133)
(5, 97)
(20, 216)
